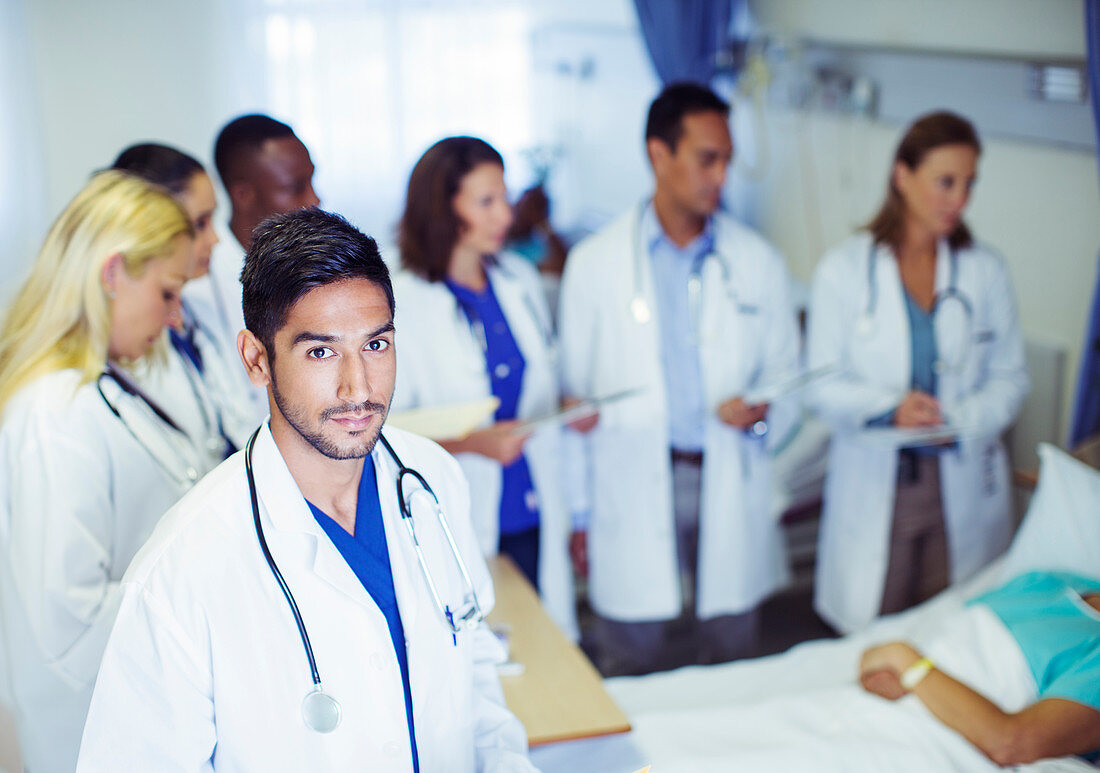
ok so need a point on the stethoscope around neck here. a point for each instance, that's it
(185, 473)
(477, 325)
(866, 324)
(639, 305)
(321, 712)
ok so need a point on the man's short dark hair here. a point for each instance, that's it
(666, 114)
(242, 137)
(297, 252)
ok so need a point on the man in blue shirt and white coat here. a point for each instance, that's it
(677, 299)
(207, 666)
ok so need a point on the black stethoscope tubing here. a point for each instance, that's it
(130, 388)
(405, 510)
(271, 560)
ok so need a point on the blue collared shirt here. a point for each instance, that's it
(923, 331)
(368, 556)
(672, 267)
(922, 335)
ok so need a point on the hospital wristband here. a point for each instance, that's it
(913, 675)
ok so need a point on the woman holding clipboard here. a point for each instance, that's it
(473, 323)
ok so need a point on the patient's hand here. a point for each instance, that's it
(884, 684)
(881, 667)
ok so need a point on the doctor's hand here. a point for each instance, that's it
(578, 552)
(736, 413)
(499, 441)
(582, 425)
(918, 409)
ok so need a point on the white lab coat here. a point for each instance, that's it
(749, 338)
(78, 497)
(177, 388)
(985, 396)
(206, 671)
(214, 304)
(216, 297)
(208, 403)
(440, 361)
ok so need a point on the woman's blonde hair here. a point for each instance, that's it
(60, 318)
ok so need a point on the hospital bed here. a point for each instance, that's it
(727, 717)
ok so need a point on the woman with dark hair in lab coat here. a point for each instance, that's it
(473, 323)
(921, 321)
(205, 382)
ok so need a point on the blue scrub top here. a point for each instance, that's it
(922, 347)
(368, 556)
(504, 362)
(1058, 633)
(185, 342)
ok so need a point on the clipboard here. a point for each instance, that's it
(915, 437)
(581, 410)
(445, 422)
(770, 392)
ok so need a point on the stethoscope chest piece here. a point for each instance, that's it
(640, 310)
(320, 711)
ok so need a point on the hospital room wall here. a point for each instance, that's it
(83, 80)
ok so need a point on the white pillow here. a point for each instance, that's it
(1061, 530)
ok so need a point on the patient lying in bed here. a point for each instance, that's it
(987, 699)
(1052, 621)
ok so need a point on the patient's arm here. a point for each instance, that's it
(1052, 727)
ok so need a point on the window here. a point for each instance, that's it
(370, 85)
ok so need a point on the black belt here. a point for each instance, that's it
(687, 457)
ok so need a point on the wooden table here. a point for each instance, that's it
(1088, 452)
(560, 694)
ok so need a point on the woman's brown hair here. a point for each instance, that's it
(430, 228)
(929, 132)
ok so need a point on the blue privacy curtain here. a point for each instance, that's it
(1086, 414)
(683, 36)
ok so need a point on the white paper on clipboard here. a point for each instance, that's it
(445, 422)
(913, 437)
(581, 410)
(773, 391)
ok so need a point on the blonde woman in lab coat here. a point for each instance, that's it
(86, 466)
(922, 321)
(474, 323)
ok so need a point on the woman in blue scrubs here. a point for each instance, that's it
(473, 322)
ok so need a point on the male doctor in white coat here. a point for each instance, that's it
(207, 668)
(265, 170)
(678, 299)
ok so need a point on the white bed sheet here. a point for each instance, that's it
(801, 711)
